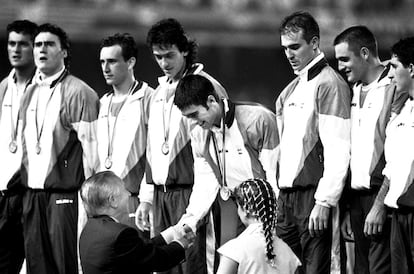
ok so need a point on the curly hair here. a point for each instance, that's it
(168, 32)
(257, 198)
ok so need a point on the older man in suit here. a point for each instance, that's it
(107, 246)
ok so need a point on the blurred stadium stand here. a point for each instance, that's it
(239, 39)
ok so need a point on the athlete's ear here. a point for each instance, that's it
(364, 52)
(211, 100)
(314, 42)
(411, 70)
(131, 62)
(65, 53)
(112, 201)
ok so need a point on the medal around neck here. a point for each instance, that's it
(165, 149)
(108, 162)
(13, 146)
(38, 148)
(225, 193)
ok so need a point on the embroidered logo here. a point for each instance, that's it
(64, 201)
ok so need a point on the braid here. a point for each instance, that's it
(257, 198)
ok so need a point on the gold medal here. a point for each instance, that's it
(108, 162)
(38, 149)
(165, 149)
(225, 193)
(13, 146)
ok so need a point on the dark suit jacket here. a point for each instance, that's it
(109, 247)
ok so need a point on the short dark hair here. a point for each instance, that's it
(404, 50)
(193, 89)
(25, 27)
(169, 32)
(97, 190)
(61, 34)
(300, 20)
(125, 41)
(358, 37)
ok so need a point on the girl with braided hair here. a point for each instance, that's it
(257, 249)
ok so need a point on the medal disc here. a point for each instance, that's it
(165, 148)
(225, 193)
(38, 149)
(108, 162)
(13, 146)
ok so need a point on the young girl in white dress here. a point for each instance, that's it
(258, 249)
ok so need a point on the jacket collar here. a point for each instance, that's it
(136, 92)
(194, 69)
(314, 67)
(103, 216)
(228, 108)
(382, 79)
(53, 80)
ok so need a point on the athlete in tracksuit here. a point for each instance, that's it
(399, 170)
(128, 142)
(397, 190)
(54, 174)
(241, 144)
(12, 88)
(367, 162)
(11, 234)
(251, 143)
(170, 170)
(59, 113)
(313, 114)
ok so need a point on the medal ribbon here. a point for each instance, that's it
(39, 132)
(221, 162)
(166, 126)
(15, 124)
(111, 138)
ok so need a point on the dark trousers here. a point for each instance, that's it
(11, 234)
(372, 254)
(129, 217)
(294, 208)
(402, 242)
(230, 224)
(168, 207)
(50, 222)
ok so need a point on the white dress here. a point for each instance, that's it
(248, 250)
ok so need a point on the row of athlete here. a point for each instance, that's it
(63, 134)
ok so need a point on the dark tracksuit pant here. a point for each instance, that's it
(169, 206)
(50, 226)
(372, 254)
(402, 241)
(294, 208)
(11, 232)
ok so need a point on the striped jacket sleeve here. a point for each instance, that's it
(83, 109)
(333, 106)
(206, 184)
(263, 137)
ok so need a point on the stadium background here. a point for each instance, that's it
(239, 40)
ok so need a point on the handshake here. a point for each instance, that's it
(184, 235)
(179, 233)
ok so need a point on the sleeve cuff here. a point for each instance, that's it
(168, 235)
(322, 203)
(190, 220)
